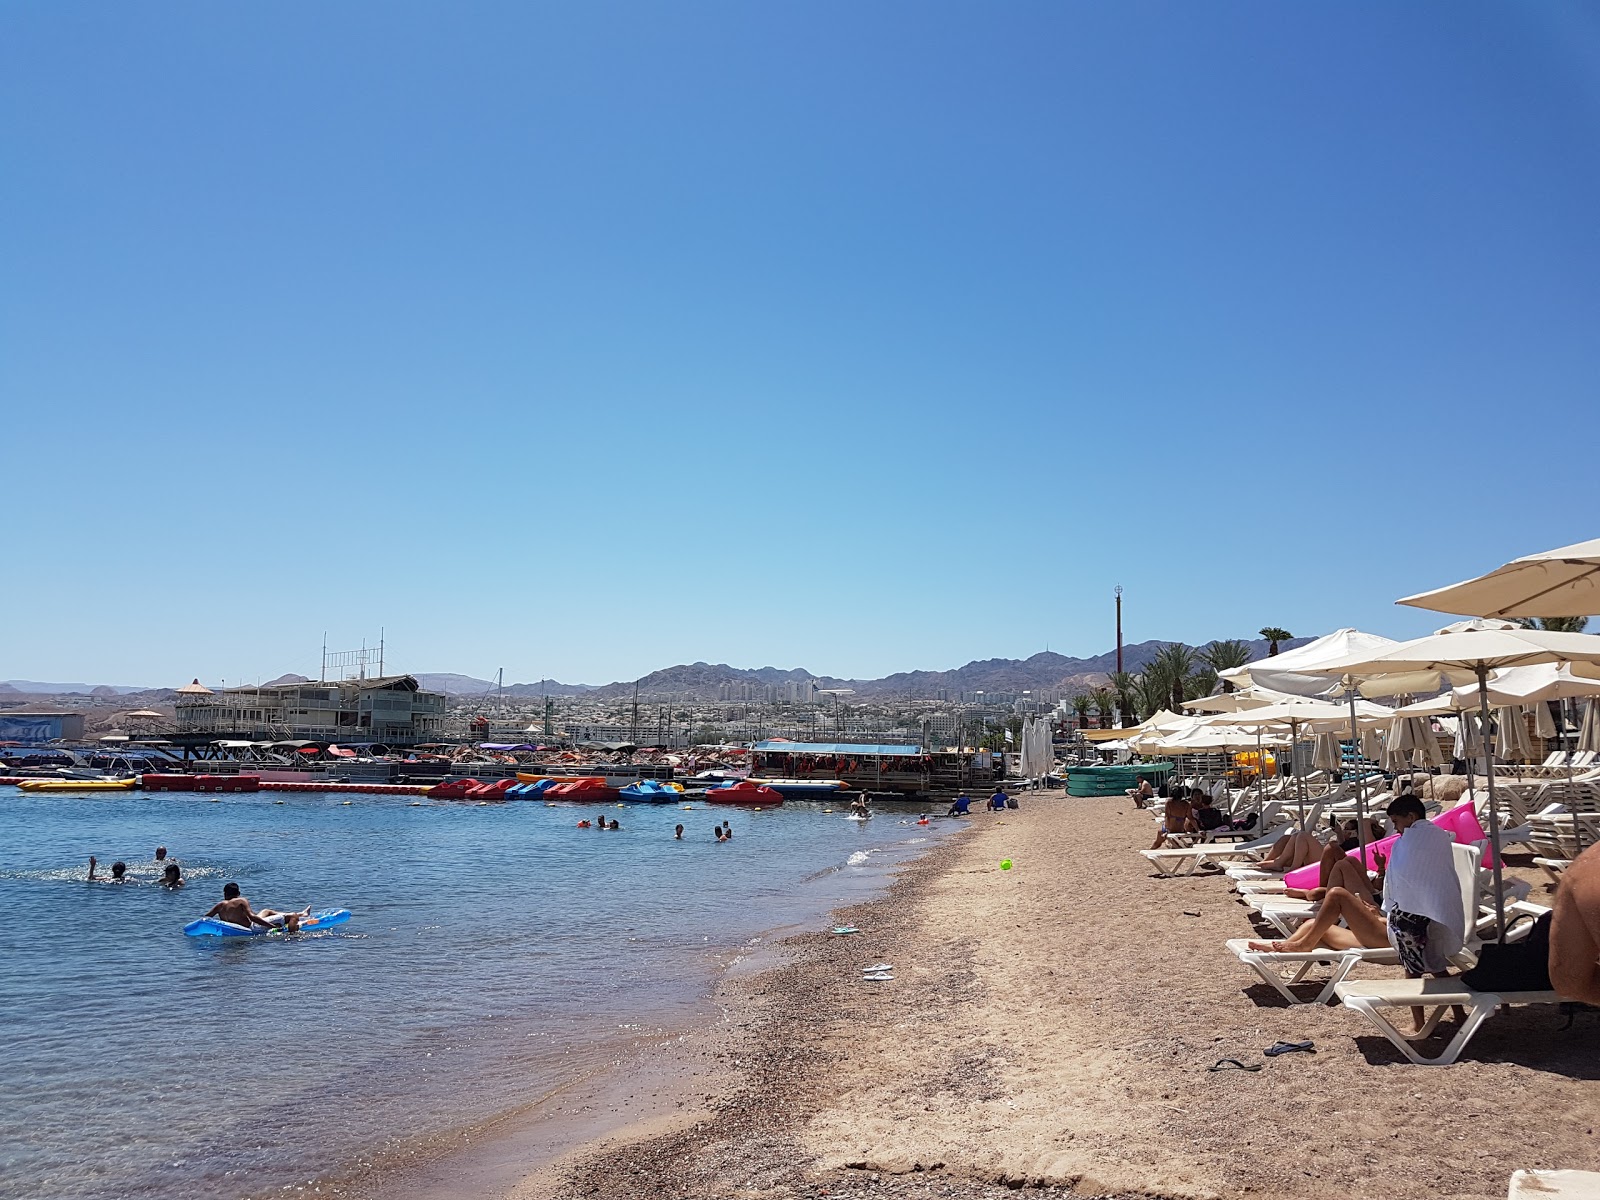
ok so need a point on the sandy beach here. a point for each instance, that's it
(1050, 1027)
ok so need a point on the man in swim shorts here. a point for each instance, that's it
(235, 910)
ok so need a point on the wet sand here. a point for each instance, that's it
(1050, 1027)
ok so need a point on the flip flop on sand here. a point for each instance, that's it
(881, 977)
(1224, 1064)
(1277, 1048)
(841, 930)
(876, 967)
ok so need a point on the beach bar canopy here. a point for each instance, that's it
(856, 749)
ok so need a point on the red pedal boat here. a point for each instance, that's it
(745, 792)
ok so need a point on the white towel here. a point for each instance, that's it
(1422, 879)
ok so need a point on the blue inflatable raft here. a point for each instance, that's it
(211, 927)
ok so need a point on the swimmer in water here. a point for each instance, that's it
(678, 834)
(614, 824)
(172, 877)
(161, 854)
(119, 870)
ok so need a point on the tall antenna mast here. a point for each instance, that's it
(1119, 629)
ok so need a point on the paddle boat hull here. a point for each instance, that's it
(747, 793)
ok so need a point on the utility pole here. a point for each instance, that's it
(1119, 629)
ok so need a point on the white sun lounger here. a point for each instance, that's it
(1171, 861)
(1371, 997)
(1554, 1185)
(1282, 969)
(1271, 965)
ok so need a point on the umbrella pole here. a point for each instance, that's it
(1494, 814)
(1299, 775)
(1472, 765)
(1577, 825)
(1361, 776)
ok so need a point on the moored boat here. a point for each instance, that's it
(804, 789)
(588, 788)
(746, 791)
(651, 791)
(78, 785)
(452, 789)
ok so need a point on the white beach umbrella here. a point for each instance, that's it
(1512, 727)
(1544, 722)
(1329, 755)
(1163, 719)
(1469, 738)
(1589, 734)
(1564, 582)
(1291, 671)
(1472, 655)
(1372, 743)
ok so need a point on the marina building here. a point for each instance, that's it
(392, 710)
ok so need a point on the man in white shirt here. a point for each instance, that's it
(1422, 892)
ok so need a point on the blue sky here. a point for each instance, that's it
(586, 339)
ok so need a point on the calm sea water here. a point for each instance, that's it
(495, 952)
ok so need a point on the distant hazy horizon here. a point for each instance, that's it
(581, 340)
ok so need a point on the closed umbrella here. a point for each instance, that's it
(1544, 722)
(1589, 734)
(1469, 739)
(1329, 756)
(1371, 743)
(1512, 728)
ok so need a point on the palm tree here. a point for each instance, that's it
(1225, 655)
(1274, 635)
(1151, 693)
(1081, 704)
(1174, 663)
(1555, 624)
(1122, 686)
(1104, 705)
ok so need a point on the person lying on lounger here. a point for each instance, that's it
(1366, 926)
(1337, 869)
(1575, 930)
(1291, 852)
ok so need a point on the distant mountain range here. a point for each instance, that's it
(704, 681)
(31, 687)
